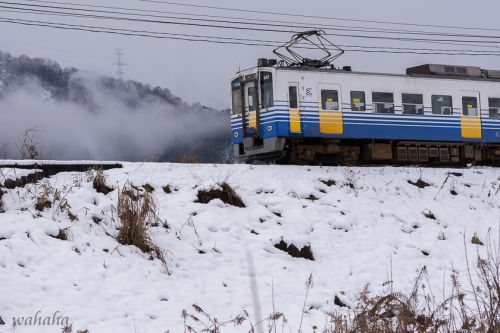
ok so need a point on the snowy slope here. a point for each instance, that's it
(357, 227)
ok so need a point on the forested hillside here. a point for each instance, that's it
(51, 87)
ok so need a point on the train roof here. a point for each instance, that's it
(432, 71)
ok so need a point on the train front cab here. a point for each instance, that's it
(254, 127)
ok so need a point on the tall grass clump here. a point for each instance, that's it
(1, 202)
(99, 181)
(137, 211)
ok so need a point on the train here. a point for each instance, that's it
(309, 113)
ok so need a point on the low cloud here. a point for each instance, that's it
(111, 130)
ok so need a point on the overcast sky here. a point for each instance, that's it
(201, 71)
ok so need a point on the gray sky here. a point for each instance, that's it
(201, 71)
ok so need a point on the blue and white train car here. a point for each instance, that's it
(433, 114)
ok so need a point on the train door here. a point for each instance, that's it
(294, 107)
(471, 115)
(330, 109)
(251, 104)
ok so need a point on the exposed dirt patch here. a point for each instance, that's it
(42, 203)
(48, 170)
(337, 301)
(294, 251)
(72, 217)
(96, 219)
(62, 235)
(427, 213)
(419, 183)
(148, 188)
(99, 183)
(312, 197)
(23, 181)
(225, 193)
(456, 174)
(329, 182)
(167, 189)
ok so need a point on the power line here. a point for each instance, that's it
(47, 9)
(408, 39)
(194, 38)
(316, 16)
(253, 20)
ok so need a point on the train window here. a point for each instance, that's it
(252, 98)
(413, 104)
(266, 89)
(293, 97)
(494, 107)
(330, 100)
(442, 104)
(236, 96)
(469, 106)
(383, 102)
(358, 102)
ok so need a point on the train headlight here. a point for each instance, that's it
(269, 128)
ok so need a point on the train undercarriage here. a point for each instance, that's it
(305, 151)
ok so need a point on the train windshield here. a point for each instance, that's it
(236, 96)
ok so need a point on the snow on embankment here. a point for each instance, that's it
(358, 223)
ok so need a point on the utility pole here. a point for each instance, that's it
(119, 64)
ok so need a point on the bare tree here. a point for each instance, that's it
(28, 146)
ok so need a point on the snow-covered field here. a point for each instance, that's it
(368, 226)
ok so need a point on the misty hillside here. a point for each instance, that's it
(80, 99)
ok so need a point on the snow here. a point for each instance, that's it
(359, 234)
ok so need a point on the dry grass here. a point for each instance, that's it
(189, 159)
(99, 182)
(137, 212)
(46, 196)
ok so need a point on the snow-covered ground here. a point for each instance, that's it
(370, 223)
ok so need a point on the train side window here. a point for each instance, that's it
(383, 102)
(236, 96)
(266, 89)
(358, 101)
(413, 104)
(442, 104)
(494, 107)
(469, 106)
(293, 97)
(252, 98)
(330, 100)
